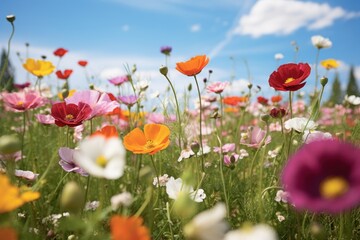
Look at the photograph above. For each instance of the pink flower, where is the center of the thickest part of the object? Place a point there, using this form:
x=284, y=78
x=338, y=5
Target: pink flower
x=255, y=138
x=228, y=160
x=67, y=161
x=45, y=119
x=117, y=81
x=217, y=87
x=23, y=101
x=100, y=103
x=26, y=174
x=229, y=147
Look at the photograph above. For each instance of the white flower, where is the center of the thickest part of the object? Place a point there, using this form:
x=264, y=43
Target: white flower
x=186, y=153
x=354, y=100
x=142, y=85
x=155, y=94
x=257, y=232
x=101, y=157
x=175, y=186
x=280, y=217
x=206, y=150
x=243, y=153
x=162, y=179
x=92, y=205
x=311, y=136
x=300, y=124
x=208, y=225
x=278, y=56
x=124, y=199
x=321, y=42
x=282, y=196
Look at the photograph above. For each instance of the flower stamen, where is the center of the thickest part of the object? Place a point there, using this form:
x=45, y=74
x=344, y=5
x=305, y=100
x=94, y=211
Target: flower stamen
x=333, y=187
x=101, y=161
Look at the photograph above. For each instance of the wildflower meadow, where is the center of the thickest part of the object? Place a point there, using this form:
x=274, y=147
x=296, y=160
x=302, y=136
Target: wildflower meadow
x=194, y=163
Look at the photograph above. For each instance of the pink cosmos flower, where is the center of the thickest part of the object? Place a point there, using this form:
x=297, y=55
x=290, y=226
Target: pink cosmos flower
x=255, y=137
x=100, y=103
x=128, y=100
x=45, y=119
x=117, y=81
x=228, y=147
x=23, y=101
x=67, y=161
x=217, y=87
x=29, y=175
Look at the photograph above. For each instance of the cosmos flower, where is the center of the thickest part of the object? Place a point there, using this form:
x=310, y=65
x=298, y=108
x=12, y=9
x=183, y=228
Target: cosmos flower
x=122, y=199
x=154, y=138
x=311, y=136
x=255, y=138
x=64, y=75
x=129, y=100
x=23, y=101
x=67, y=161
x=193, y=66
x=217, y=87
x=353, y=100
x=39, y=68
x=290, y=76
x=22, y=85
x=300, y=124
x=276, y=99
x=101, y=157
x=107, y=132
x=319, y=42
x=208, y=225
x=262, y=100
x=235, y=100
x=174, y=187
x=117, y=81
x=71, y=115
x=60, y=52
x=324, y=176
x=128, y=228
x=278, y=56
x=12, y=197
x=329, y=64
x=257, y=232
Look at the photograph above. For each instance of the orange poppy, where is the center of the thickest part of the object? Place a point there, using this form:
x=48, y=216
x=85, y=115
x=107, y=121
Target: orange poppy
x=193, y=66
x=128, y=228
x=154, y=138
x=276, y=98
x=8, y=233
x=235, y=100
x=107, y=132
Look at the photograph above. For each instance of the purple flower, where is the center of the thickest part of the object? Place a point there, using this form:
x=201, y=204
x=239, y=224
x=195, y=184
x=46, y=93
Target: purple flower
x=324, y=176
x=67, y=161
x=117, y=81
x=128, y=100
x=166, y=50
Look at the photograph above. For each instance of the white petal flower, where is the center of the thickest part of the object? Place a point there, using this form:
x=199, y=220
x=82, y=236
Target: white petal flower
x=175, y=186
x=354, y=100
x=300, y=124
x=208, y=225
x=321, y=42
x=257, y=232
x=101, y=157
x=278, y=56
x=124, y=199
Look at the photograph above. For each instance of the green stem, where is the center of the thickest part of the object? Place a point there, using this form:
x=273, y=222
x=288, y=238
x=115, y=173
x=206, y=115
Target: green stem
x=290, y=104
x=316, y=70
x=8, y=52
x=86, y=190
x=23, y=135
x=200, y=125
x=177, y=110
x=221, y=163
x=222, y=114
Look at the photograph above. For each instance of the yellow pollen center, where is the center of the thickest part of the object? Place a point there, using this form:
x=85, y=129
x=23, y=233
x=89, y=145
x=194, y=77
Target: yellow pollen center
x=69, y=117
x=101, y=161
x=20, y=103
x=289, y=80
x=149, y=144
x=333, y=187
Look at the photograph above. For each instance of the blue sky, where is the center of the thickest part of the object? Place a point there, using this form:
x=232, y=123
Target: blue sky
x=111, y=33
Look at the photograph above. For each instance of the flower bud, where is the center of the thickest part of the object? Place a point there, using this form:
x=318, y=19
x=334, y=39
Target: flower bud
x=9, y=144
x=189, y=87
x=265, y=117
x=277, y=112
x=64, y=93
x=324, y=81
x=164, y=70
x=10, y=18
x=250, y=85
x=91, y=86
x=195, y=147
x=72, y=198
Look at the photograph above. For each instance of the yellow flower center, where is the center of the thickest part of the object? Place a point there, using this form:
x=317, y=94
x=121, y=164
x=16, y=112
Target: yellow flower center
x=69, y=117
x=101, y=161
x=289, y=80
x=149, y=144
x=333, y=187
x=20, y=103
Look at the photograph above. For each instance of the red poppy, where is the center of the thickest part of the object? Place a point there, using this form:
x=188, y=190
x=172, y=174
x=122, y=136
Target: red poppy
x=60, y=52
x=82, y=63
x=71, y=115
x=290, y=76
x=262, y=100
x=64, y=74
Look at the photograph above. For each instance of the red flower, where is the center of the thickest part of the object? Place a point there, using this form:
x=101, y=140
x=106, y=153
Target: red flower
x=64, y=74
x=290, y=76
x=60, y=52
x=276, y=98
x=262, y=100
x=82, y=63
x=71, y=115
x=277, y=112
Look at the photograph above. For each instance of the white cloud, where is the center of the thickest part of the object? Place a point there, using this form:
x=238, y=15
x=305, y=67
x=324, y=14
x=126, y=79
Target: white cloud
x=282, y=17
x=195, y=28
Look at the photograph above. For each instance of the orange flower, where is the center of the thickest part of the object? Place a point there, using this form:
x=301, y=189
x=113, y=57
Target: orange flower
x=193, y=66
x=276, y=99
x=107, y=132
x=8, y=234
x=128, y=228
x=154, y=138
x=235, y=100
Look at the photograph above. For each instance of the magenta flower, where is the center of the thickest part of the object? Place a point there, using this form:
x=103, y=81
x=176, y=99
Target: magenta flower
x=117, y=81
x=100, y=103
x=21, y=86
x=23, y=101
x=324, y=176
x=67, y=161
x=255, y=137
x=217, y=87
x=128, y=100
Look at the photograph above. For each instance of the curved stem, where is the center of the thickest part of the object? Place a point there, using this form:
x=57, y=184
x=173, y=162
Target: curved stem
x=8, y=52
x=200, y=124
